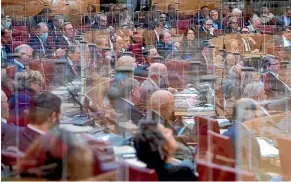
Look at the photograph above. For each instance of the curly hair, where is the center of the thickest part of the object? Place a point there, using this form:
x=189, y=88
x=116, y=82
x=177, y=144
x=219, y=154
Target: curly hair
x=23, y=80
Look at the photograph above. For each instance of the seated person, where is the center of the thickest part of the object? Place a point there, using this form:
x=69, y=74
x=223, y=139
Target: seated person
x=189, y=41
x=270, y=77
x=67, y=38
x=206, y=31
x=247, y=43
x=165, y=45
x=244, y=142
x=233, y=26
x=160, y=110
x=43, y=113
x=21, y=62
x=124, y=98
x=65, y=70
x=27, y=85
x=55, y=27
x=156, y=146
x=39, y=42
x=255, y=24
x=155, y=81
x=100, y=22
x=6, y=128
x=47, y=154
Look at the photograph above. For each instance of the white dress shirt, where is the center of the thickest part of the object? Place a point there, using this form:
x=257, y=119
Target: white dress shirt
x=3, y=120
x=36, y=130
x=286, y=42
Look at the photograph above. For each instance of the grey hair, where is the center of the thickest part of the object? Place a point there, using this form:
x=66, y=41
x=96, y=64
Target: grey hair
x=22, y=48
x=253, y=90
x=58, y=16
x=264, y=10
x=213, y=11
x=155, y=69
x=255, y=19
x=236, y=10
x=40, y=25
x=71, y=49
x=23, y=80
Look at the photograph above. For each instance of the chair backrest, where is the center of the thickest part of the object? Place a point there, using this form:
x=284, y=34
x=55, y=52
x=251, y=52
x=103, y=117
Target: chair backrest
x=221, y=149
x=19, y=30
x=284, y=145
x=134, y=173
x=213, y=172
x=202, y=125
x=48, y=70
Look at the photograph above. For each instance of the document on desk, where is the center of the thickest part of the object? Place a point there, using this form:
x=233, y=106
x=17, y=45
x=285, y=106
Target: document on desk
x=223, y=122
x=76, y=129
x=267, y=150
x=122, y=150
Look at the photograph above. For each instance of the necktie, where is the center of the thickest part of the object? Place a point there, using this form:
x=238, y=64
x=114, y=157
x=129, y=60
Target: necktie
x=74, y=69
x=248, y=45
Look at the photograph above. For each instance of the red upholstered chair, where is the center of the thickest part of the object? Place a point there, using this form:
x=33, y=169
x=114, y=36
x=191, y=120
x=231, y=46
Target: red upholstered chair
x=182, y=25
x=221, y=149
x=19, y=31
x=202, y=125
x=284, y=144
x=16, y=43
x=134, y=173
x=48, y=70
x=213, y=172
x=177, y=72
x=11, y=71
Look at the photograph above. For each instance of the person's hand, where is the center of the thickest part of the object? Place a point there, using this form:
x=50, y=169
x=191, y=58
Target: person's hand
x=59, y=52
x=211, y=30
x=177, y=45
x=255, y=51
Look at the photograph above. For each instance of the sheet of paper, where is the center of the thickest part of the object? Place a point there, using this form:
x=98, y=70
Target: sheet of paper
x=267, y=150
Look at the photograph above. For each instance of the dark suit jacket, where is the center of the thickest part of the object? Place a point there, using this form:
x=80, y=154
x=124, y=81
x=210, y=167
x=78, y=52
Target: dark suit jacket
x=54, y=32
x=61, y=42
x=272, y=84
x=26, y=137
x=63, y=72
x=6, y=129
x=205, y=34
x=35, y=43
x=176, y=173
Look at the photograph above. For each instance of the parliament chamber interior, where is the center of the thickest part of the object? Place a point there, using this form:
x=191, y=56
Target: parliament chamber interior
x=146, y=90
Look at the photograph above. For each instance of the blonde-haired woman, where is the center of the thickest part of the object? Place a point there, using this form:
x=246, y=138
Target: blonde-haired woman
x=27, y=85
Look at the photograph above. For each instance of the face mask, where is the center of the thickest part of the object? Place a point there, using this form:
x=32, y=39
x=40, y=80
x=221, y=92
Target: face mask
x=8, y=24
x=44, y=36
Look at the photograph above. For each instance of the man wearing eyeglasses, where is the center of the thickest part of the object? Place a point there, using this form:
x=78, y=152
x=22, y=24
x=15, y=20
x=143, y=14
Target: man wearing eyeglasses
x=68, y=37
x=25, y=56
x=207, y=30
x=233, y=26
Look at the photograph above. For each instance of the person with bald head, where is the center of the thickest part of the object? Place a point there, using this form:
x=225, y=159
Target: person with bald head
x=160, y=111
x=156, y=76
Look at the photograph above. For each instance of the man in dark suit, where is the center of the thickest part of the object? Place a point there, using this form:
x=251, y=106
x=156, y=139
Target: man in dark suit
x=66, y=67
x=55, y=27
x=283, y=40
x=157, y=72
x=124, y=98
x=272, y=83
x=6, y=38
x=165, y=45
x=67, y=37
x=5, y=127
x=233, y=26
x=40, y=44
x=161, y=109
x=43, y=114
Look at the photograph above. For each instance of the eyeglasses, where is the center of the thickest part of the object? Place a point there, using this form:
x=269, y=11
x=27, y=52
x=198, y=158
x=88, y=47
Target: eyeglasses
x=70, y=29
x=234, y=22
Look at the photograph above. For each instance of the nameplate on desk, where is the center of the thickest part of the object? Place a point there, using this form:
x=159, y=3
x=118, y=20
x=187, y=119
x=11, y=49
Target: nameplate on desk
x=76, y=129
x=267, y=150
